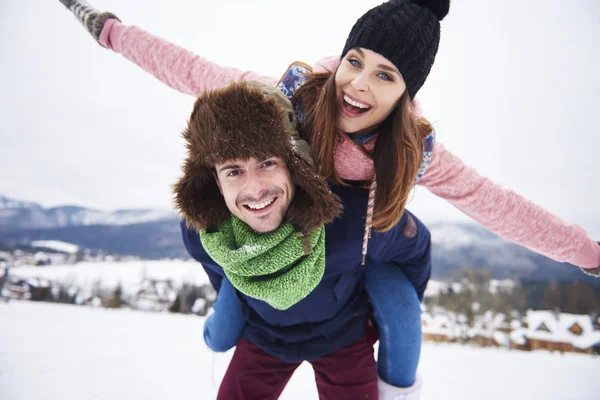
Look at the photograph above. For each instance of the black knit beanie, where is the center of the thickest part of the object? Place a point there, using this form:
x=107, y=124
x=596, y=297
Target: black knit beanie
x=406, y=32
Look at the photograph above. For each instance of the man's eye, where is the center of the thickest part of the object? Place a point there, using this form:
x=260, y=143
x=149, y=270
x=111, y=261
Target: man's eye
x=234, y=172
x=269, y=163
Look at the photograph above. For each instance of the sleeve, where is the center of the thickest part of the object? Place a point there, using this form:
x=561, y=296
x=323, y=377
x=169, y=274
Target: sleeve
x=224, y=328
x=191, y=240
x=176, y=67
x=327, y=64
x=506, y=213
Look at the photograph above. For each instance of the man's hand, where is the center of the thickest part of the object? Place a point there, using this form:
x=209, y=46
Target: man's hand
x=92, y=19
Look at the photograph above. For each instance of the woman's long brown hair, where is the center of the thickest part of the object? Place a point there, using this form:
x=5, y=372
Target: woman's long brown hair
x=397, y=154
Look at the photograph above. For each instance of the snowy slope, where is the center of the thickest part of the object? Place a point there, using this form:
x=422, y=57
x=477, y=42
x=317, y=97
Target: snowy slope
x=110, y=274
x=457, y=245
x=451, y=236
x=18, y=215
x=68, y=352
x=55, y=245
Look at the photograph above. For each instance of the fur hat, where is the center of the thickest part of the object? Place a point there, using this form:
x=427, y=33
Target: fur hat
x=243, y=120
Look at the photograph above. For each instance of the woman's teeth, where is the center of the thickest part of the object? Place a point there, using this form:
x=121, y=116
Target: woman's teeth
x=355, y=103
x=260, y=206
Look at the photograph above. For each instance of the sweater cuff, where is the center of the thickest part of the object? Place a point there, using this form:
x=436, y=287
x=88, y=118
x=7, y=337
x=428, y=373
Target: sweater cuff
x=105, y=35
x=589, y=255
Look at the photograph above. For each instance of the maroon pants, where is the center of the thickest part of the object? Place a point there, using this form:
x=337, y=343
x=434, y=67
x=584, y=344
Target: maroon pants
x=349, y=373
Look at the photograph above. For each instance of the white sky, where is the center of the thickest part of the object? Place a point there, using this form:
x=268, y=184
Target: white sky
x=514, y=92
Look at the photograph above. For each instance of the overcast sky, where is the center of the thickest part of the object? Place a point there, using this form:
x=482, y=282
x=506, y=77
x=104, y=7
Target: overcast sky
x=515, y=92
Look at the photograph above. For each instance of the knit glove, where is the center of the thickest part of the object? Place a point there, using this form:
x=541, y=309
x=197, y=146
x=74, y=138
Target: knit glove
x=595, y=272
x=92, y=19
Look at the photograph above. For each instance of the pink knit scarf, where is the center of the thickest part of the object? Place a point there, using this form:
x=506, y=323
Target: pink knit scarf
x=350, y=161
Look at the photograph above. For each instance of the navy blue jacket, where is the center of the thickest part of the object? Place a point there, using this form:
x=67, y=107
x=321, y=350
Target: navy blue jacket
x=334, y=314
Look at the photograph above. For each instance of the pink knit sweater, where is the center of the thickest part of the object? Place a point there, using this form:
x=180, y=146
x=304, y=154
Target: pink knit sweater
x=500, y=210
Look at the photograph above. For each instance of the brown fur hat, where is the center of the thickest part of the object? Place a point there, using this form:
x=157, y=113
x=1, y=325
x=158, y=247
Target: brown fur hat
x=243, y=120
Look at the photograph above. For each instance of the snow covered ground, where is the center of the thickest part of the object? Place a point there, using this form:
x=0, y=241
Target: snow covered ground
x=110, y=273
x=66, y=352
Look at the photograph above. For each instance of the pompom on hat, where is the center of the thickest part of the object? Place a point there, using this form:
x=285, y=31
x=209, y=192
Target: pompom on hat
x=406, y=32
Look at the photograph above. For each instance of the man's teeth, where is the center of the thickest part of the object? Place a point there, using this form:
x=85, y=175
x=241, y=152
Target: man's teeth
x=260, y=206
x=354, y=103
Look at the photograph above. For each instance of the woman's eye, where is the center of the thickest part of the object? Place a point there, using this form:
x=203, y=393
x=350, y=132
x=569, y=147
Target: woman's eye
x=386, y=77
x=354, y=62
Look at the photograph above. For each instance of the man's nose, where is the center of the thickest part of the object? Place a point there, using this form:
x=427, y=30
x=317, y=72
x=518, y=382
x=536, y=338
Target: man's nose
x=255, y=185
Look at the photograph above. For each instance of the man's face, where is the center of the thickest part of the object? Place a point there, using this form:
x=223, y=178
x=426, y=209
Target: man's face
x=258, y=192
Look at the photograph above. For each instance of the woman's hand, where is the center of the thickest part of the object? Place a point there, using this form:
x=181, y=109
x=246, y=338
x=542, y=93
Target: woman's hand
x=92, y=19
x=595, y=272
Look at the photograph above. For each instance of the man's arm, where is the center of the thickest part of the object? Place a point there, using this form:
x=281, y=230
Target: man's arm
x=175, y=66
x=191, y=240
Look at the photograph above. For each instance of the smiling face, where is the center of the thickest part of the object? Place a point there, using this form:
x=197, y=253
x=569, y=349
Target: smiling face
x=258, y=192
x=368, y=87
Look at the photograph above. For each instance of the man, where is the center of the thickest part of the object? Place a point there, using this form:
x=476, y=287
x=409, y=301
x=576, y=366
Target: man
x=250, y=189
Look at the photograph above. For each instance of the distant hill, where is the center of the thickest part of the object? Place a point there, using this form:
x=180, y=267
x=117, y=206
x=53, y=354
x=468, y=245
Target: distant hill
x=468, y=244
x=20, y=215
x=154, y=234
x=153, y=240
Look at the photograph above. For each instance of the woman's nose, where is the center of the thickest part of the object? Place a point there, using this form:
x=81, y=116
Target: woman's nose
x=360, y=82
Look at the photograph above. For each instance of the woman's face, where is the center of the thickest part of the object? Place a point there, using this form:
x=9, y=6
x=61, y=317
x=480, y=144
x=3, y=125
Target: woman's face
x=368, y=87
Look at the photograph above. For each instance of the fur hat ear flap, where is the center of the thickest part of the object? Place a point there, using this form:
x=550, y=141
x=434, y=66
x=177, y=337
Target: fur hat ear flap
x=198, y=198
x=313, y=203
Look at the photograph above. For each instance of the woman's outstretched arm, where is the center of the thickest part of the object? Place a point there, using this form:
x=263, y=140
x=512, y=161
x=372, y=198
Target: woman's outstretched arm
x=508, y=214
x=175, y=66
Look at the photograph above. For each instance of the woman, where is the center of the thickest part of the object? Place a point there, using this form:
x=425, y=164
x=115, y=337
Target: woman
x=362, y=123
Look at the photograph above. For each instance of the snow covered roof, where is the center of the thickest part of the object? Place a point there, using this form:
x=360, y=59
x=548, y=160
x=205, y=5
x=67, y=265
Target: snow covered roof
x=441, y=325
x=501, y=338
x=56, y=245
x=518, y=336
x=552, y=327
x=515, y=324
x=487, y=324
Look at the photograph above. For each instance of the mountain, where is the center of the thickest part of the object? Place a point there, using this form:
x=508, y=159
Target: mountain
x=156, y=234
x=153, y=240
x=18, y=215
x=457, y=245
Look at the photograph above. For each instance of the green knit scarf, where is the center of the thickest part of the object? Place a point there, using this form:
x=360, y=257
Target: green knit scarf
x=272, y=266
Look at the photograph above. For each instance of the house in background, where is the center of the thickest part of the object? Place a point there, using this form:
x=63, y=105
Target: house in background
x=442, y=327
x=557, y=331
x=489, y=330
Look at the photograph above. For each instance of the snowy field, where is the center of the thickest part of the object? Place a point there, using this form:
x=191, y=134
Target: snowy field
x=50, y=351
x=111, y=273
